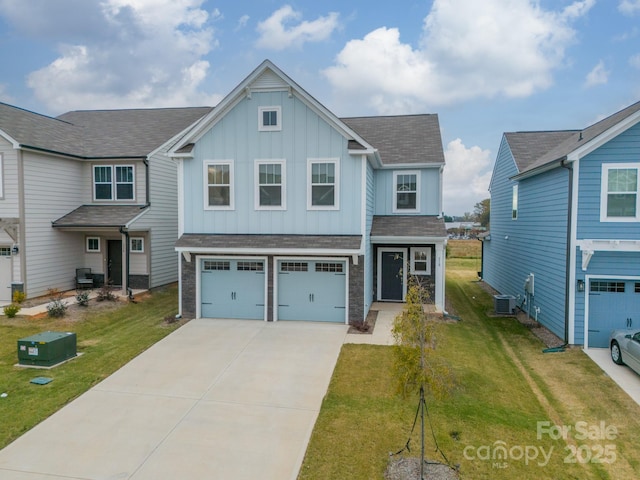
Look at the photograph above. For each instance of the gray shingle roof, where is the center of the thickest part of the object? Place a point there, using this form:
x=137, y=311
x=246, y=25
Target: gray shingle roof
x=402, y=139
x=408, y=226
x=311, y=242
x=547, y=147
x=528, y=147
x=40, y=131
x=98, y=133
x=131, y=133
x=99, y=216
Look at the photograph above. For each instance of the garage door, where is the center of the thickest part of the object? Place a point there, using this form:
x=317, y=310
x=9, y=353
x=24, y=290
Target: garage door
x=613, y=304
x=312, y=290
x=5, y=274
x=232, y=288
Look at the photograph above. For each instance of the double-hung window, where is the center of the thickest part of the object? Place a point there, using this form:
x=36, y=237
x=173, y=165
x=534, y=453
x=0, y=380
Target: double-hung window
x=113, y=182
x=619, y=194
x=270, y=185
x=406, y=191
x=219, y=185
x=93, y=244
x=322, y=188
x=421, y=261
x=136, y=244
x=269, y=119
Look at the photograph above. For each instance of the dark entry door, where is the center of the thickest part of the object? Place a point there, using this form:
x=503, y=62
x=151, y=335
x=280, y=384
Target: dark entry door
x=392, y=274
x=114, y=262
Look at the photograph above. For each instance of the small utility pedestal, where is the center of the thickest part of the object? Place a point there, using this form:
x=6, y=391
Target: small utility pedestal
x=46, y=349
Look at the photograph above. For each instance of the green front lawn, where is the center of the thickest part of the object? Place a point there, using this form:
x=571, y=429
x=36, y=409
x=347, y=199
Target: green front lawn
x=107, y=340
x=505, y=392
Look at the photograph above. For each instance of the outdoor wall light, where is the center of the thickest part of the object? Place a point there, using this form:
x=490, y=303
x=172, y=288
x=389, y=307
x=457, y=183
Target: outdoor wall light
x=14, y=249
x=581, y=285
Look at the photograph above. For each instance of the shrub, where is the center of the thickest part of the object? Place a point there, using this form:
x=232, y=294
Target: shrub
x=57, y=308
x=106, y=293
x=82, y=298
x=19, y=296
x=11, y=310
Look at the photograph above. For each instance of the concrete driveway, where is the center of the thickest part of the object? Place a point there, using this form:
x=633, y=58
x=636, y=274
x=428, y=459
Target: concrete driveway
x=626, y=378
x=223, y=399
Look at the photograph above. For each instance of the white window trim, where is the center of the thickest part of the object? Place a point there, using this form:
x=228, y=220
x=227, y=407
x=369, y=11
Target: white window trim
x=336, y=191
x=270, y=128
x=283, y=184
x=206, y=166
x=114, y=184
x=604, y=191
x=395, y=191
x=86, y=245
x=427, y=250
x=1, y=176
x=131, y=249
x=514, y=201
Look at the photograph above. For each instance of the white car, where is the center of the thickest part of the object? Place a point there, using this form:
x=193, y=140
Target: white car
x=625, y=348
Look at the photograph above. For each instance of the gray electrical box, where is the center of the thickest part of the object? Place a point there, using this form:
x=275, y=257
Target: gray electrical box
x=47, y=348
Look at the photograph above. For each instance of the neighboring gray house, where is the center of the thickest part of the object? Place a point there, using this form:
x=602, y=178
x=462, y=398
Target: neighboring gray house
x=88, y=189
x=288, y=212
x=565, y=214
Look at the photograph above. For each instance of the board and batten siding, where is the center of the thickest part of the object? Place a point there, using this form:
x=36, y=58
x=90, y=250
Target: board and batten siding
x=535, y=242
x=161, y=221
x=50, y=191
x=305, y=135
x=429, y=200
x=368, y=247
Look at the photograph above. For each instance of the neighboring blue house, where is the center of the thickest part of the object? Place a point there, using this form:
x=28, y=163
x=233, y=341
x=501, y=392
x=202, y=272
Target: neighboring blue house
x=565, y=214
x=287, y=212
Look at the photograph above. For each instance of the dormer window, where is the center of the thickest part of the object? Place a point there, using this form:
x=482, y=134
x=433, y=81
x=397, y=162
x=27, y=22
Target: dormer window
x=269, y=119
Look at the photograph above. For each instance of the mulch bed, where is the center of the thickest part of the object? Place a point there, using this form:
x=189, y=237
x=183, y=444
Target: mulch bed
x=368, y=325
x=408, y=468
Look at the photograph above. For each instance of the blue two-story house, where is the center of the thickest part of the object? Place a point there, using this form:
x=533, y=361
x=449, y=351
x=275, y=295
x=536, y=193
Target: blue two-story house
x=565, y=221
x=287, y=212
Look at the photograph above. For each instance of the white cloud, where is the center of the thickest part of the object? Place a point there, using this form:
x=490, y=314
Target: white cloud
x=148, y=54
x=283, y=29
x=629, y=7
x=599, y=75
x=468, y=49
x=242, y=22
x=466, y=177
x=634, y=61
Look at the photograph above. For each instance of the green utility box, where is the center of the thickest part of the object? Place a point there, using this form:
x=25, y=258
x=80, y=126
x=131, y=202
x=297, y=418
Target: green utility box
x=47, y=348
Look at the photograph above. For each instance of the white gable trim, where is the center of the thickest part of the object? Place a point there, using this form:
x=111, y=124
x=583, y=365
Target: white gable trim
x=605, y=137
x=256, y=82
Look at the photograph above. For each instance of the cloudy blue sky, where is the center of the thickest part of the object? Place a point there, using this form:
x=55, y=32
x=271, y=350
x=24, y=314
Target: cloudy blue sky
x=485, y=67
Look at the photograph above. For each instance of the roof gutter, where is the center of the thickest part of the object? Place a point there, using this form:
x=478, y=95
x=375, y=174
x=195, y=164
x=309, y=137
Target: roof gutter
x=560, y=162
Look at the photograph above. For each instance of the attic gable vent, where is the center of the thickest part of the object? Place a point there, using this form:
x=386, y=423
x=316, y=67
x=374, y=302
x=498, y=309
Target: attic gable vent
x=269, y=81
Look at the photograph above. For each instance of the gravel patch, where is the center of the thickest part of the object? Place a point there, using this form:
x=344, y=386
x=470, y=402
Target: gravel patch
x=408, y=468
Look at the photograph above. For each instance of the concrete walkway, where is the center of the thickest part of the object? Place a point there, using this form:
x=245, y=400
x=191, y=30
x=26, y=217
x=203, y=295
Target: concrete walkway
x=227, y=399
